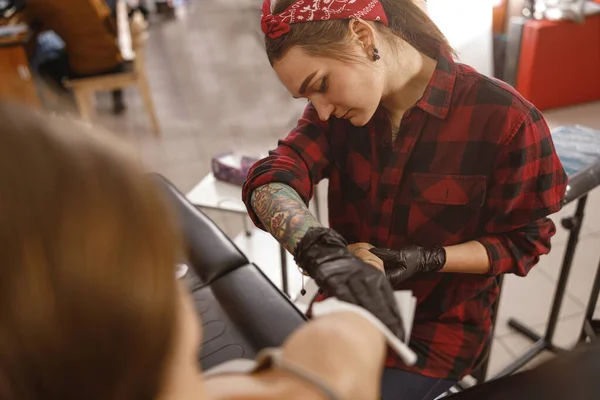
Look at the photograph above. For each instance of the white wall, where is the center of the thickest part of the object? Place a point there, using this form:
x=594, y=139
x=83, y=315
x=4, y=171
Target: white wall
x=468, y=26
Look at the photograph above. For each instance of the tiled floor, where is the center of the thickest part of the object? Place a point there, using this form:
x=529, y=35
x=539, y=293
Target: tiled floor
x=214, y=91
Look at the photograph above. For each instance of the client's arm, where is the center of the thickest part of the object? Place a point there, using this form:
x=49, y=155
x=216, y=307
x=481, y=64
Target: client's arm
x=343, y=349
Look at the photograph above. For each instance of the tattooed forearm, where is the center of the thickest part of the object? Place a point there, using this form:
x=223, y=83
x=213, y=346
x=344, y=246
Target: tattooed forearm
x=283, y=213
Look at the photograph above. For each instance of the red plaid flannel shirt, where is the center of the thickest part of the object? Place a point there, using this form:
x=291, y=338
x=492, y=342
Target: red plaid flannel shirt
x=473, y=161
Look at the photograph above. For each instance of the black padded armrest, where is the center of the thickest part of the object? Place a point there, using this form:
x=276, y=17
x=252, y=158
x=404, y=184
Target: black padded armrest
x=259, y=309
x=242, y=313
x=210, y=252
x=241, y=310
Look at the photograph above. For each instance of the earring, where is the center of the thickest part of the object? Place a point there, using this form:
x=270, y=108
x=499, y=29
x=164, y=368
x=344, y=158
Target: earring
x=375, y=53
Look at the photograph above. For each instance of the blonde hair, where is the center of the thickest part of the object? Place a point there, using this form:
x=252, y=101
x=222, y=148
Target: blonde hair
x=88, y=249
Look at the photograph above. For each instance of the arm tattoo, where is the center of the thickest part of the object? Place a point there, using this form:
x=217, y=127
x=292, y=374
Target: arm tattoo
x=283, y=213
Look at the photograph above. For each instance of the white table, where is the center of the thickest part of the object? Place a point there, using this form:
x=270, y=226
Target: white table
x=213, y=194
x=256, y=244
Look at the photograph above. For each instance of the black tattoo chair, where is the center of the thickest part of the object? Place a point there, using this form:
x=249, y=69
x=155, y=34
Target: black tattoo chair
x=242, y=311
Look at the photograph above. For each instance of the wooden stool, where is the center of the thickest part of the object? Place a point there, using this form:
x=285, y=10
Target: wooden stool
x=83, y=89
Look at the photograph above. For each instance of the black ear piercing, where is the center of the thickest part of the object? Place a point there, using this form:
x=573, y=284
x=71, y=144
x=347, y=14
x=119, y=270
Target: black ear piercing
x=375, y=53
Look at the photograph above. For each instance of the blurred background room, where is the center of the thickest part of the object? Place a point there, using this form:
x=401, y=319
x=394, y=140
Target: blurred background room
x=188, y=85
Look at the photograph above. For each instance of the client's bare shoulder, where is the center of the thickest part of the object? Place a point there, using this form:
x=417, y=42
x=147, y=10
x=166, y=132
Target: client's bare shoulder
x=343, y=351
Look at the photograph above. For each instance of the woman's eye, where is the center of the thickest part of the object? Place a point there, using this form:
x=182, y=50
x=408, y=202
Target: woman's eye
x=324, y=85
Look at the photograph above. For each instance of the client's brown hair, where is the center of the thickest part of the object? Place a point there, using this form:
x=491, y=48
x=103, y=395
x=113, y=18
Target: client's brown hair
x=87, y=254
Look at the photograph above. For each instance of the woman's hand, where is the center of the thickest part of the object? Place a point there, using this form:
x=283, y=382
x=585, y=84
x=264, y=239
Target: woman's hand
x=361, y=250
x=324, y=255
x=410, y=260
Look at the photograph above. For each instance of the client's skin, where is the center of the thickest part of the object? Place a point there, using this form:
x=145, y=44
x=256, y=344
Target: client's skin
x=90, y=305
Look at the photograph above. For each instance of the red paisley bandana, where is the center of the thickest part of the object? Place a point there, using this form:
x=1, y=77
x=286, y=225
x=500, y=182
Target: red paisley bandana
x=319, y=10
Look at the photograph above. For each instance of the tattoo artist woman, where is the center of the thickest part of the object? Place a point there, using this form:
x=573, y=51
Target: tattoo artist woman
x=450, y=175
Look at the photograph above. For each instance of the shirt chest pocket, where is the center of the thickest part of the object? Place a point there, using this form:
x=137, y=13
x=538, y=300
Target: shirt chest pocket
x=444, y=209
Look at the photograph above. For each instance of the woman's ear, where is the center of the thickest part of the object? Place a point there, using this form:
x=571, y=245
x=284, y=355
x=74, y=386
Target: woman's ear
x=364, y=33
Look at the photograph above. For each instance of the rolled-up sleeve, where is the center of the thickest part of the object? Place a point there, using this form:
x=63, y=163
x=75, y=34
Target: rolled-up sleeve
x=300, y=160
x=528, y=184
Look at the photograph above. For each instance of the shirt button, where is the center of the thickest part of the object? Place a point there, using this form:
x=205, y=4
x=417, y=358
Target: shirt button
x=386, y=143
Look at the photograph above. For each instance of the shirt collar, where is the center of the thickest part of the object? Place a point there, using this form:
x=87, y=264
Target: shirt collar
x=438, y=95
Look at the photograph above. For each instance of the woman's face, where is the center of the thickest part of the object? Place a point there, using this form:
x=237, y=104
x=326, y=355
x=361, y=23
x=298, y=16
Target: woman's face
x=342, y=89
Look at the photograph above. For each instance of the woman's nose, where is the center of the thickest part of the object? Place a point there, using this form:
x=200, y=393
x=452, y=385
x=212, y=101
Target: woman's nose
x=324, y=108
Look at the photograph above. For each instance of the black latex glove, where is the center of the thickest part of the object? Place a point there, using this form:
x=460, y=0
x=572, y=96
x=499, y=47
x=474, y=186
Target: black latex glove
x=410, y=260
x=323, y=254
